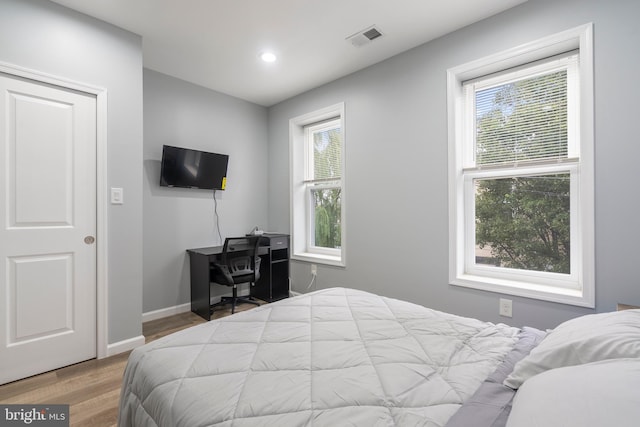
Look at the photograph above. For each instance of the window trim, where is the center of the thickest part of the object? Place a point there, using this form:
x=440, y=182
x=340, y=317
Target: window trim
x=299, y=195
x=579, y=38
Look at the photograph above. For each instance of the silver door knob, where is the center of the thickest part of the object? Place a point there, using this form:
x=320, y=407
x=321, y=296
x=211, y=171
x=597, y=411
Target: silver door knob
x=89, y=240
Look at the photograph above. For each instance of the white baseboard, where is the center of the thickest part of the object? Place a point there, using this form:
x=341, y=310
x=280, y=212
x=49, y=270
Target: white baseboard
x=294, y=293
x=131, y=343
x=165, y=312
x=126, y=345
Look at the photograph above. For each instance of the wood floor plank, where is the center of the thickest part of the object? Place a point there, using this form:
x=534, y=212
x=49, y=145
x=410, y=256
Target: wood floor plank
x=92, y=388
x=71, y=389
x=17, y=388
x=98, y=411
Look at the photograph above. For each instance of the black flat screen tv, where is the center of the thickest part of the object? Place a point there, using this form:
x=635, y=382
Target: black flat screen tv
x=187, y=168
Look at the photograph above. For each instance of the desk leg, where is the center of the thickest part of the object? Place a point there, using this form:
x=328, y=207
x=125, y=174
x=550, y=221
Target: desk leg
x=200, y=286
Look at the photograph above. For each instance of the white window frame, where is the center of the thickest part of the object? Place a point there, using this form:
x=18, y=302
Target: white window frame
x=302, y=220
x=578, y=287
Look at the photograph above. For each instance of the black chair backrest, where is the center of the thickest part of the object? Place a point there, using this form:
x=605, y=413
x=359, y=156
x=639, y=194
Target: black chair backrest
x=240, y=256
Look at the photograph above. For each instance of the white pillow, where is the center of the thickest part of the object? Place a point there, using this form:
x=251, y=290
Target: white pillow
x=582, y=340
x=597, y=394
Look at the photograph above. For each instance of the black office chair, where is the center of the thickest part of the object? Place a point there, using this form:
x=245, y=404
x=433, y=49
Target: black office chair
x=239, y=263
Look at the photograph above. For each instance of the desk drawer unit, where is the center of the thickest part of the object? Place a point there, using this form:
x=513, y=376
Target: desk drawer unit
x=274, y=269
x=277, y=242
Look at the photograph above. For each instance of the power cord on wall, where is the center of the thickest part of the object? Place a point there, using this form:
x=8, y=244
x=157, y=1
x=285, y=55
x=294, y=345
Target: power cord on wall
x=314, y=274
x=215, y=213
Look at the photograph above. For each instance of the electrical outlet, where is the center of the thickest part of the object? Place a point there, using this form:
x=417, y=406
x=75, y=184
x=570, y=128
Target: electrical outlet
x=506, y=307
x=314, y=269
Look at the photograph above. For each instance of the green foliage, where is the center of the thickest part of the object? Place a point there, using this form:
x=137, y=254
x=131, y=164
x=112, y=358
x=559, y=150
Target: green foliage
x=525, y=221
x=328, y=214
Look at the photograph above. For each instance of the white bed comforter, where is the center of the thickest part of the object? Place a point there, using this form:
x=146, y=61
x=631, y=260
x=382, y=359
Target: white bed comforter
x=336, y=357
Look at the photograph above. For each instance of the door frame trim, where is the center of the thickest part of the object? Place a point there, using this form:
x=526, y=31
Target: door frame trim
x=102, y=244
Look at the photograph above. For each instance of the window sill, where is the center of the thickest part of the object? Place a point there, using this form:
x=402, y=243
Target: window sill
x=318, y=258
x=527, y=290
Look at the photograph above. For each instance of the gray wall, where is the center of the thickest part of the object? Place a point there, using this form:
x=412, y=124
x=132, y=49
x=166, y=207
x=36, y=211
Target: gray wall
x=185, y=115
x=396, y=163
x=396, y=158
x=48, y=38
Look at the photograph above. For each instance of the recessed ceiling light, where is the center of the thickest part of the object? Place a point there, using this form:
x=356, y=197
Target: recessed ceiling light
x=268, y=56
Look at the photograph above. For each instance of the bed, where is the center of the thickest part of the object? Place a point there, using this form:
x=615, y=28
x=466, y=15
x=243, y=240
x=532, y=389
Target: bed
x=344, y=357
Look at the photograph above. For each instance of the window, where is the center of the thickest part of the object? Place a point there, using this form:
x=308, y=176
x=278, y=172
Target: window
x=317, y=186
x=521, y=171
x=323, y=175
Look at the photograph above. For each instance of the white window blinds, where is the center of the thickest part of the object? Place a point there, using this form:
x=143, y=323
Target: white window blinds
x=324, y=156
x=523, y=119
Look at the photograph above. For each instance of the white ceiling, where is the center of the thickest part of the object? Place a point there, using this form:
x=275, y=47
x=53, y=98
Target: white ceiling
x=216, y=43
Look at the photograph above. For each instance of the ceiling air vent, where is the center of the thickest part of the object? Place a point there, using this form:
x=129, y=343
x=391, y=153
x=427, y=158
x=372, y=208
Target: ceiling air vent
x=365, y=36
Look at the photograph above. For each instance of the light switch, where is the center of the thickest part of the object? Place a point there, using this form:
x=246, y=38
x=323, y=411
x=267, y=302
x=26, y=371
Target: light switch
x=117, y=197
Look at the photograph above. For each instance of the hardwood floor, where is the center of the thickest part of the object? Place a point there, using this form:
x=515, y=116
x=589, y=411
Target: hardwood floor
x=92, y=388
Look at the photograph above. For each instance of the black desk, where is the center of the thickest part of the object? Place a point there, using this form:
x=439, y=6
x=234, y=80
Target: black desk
x=274, y=272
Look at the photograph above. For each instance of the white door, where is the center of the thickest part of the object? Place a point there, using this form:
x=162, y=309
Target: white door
x=47, y=227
